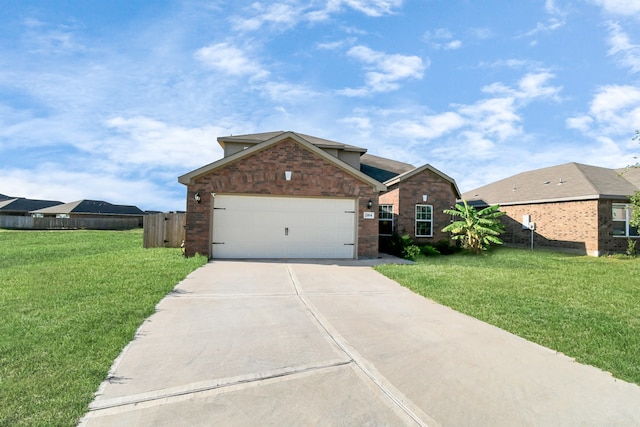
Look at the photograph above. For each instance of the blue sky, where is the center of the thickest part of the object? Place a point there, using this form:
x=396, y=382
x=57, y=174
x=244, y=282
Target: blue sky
x=113, y=100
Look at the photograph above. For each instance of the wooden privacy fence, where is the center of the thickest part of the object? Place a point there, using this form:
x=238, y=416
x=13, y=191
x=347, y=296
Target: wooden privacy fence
x=31, y=223
x=164, y=230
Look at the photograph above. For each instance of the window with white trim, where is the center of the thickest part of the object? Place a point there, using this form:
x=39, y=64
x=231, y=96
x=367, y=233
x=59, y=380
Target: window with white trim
x=424, y=220
x=621, y=214
x=385, y=215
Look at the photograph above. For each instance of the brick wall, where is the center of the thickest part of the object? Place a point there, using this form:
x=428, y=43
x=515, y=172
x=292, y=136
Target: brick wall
x=570, y=226
x=607, y=242
x=440, y=194
x=405, y=195
x=263, y=173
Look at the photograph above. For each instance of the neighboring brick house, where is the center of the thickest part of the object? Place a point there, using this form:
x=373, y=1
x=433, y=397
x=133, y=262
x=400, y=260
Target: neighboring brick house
x=416, y=198
x=575, y=207
x=285, y=195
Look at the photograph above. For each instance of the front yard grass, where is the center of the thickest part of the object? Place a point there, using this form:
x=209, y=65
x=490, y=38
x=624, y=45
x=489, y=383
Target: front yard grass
x=587, y=308
x=70, y=301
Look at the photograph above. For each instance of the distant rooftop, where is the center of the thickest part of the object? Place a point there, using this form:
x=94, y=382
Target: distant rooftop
x=570, y=181
x=91, y=207
x=22, y=205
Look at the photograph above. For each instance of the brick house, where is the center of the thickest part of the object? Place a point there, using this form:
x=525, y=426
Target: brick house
x=575, y=207
x=289, y=195
x=416, y=199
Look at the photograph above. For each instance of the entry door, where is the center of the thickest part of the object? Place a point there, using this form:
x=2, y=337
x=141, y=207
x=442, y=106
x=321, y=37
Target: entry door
x=283, y=227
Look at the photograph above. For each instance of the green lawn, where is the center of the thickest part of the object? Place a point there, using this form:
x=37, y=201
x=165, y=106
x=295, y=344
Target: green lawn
x=587, y=308
x=69, y=302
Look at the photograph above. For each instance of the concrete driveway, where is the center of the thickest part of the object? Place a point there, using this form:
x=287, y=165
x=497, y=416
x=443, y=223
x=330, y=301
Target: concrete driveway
x=298, y=343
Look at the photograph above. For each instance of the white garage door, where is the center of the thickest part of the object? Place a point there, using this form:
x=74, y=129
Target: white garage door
x=283, y=227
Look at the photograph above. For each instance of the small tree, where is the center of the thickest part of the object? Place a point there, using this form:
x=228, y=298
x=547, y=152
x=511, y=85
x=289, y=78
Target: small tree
x=477, y=230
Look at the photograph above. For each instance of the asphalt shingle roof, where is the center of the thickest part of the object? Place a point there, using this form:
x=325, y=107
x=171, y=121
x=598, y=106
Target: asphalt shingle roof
x=256, y=138
x=92, y=207
x=20, y=204
x=382, y=169
x=570, y=181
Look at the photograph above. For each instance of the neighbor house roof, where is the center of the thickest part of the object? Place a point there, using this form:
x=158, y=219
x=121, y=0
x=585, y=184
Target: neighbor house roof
x=406, y=175
x=570, y=181
x=188, y=178
x=256, y=138
x=382, y=169
x=91, y=207
x=22, y=205
x=3, y=197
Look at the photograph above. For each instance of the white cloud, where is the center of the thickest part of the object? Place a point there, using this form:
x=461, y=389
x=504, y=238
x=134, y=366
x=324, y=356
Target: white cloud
x=151, y=144
x=531, y=86
x=510, y=63
x=288, y=92
x=46, y=39
x=442, y=38
x=614, y=112
x=385, y=70
x=279, y=15
x=534, y=85
x=336, y=44
x=581, y=123
x=372, y=8
x=551, y=25
x=53, y=181
x=619, y=7
x=362, y=124
x=430, y=127
x=494, y=117
x=555, y=21
x=627, y=53
x=230, y=60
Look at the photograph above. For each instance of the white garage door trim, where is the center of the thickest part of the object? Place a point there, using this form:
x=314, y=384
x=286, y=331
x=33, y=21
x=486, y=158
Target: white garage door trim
x=249, y=226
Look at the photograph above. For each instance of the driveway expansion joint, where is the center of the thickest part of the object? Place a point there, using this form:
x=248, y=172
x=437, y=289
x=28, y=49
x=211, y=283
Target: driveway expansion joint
x=200, y=387
x=363, y=365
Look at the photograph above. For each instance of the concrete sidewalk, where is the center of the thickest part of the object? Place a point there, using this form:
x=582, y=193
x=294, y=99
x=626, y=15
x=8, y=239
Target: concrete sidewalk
x=277, y=343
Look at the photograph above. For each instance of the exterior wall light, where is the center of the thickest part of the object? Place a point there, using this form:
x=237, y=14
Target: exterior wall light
x=424, y=197
x=369, y=204
x=197, y=198
x=287, y=175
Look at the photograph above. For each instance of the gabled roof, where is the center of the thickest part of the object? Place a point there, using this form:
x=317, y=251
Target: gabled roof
x=20, y=204
x=382, y=169
x=188, y=178
x=407, y=175
x=91, y=207
x=257, y=138
x=570, y=181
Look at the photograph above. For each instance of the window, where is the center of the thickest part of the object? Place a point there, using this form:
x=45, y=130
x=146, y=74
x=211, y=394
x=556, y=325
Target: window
x=385, y=215
x=621, y=214
x=424, y=220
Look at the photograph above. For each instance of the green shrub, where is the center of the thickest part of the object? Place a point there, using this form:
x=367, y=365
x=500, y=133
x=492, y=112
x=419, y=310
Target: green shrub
x=446, y=248
x=631, y=248
x=411, y=252
x=428, y=250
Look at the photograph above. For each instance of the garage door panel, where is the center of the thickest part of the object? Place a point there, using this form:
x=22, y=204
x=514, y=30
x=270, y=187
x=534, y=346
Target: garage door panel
x=283, y=227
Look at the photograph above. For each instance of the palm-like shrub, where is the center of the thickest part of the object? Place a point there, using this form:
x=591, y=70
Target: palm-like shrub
x=476, y=229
